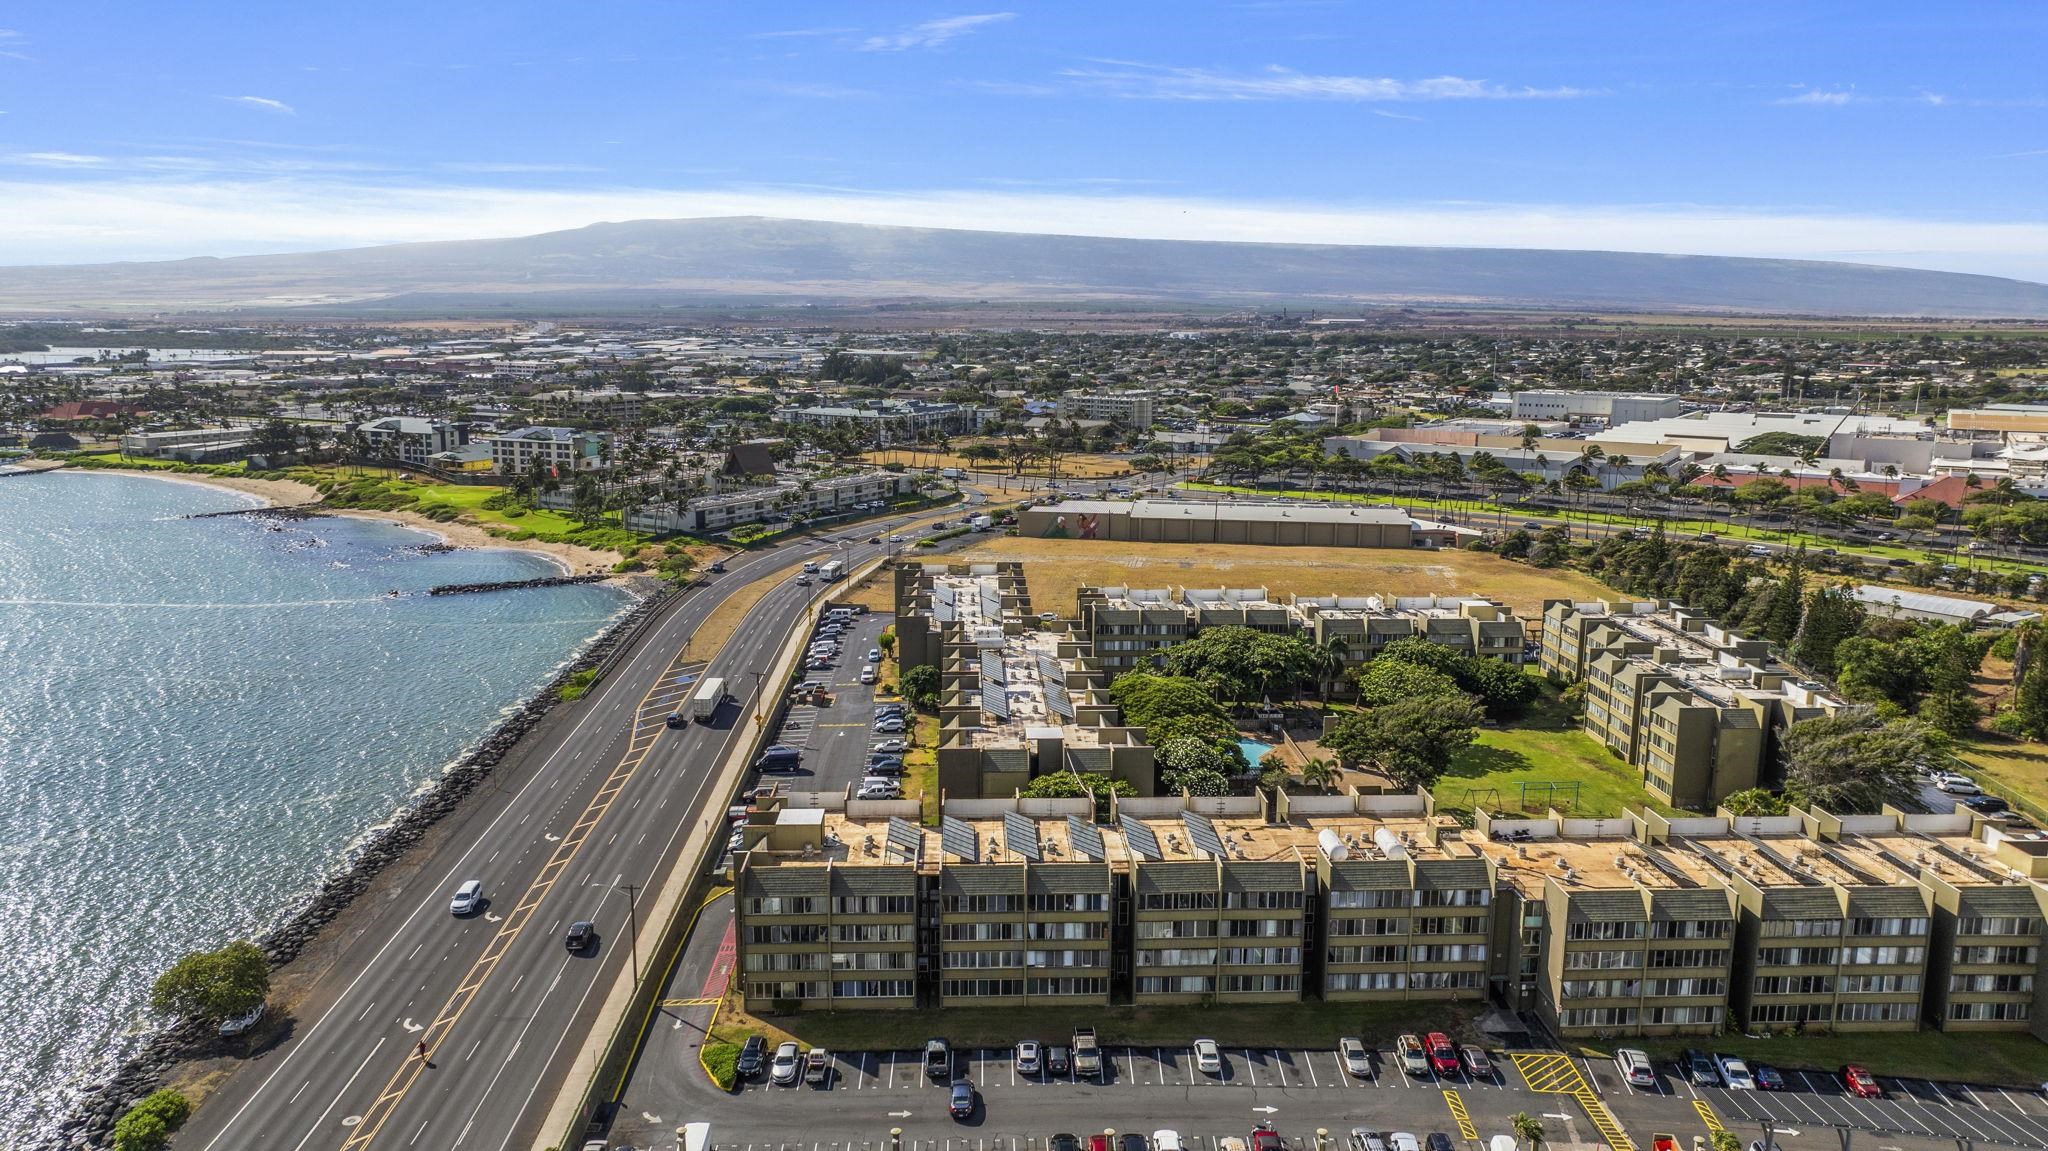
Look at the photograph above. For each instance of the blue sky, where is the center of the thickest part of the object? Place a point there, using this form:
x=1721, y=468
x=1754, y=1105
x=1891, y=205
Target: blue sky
x=1907, y=133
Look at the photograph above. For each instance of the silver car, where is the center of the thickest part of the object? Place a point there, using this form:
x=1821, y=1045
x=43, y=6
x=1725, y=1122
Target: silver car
x=787, y=1067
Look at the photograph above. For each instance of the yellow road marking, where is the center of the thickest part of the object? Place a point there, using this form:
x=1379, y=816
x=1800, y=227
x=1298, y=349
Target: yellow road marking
x=1555, y=1073
x=1458, y=1112
x=451, y=1012
x=687, y=1002
x=1707, y=1115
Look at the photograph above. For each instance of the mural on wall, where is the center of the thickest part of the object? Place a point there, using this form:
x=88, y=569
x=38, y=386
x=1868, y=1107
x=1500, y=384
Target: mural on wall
x=1086, y=525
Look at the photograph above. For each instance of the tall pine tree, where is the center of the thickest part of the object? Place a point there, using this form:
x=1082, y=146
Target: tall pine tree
x=1787, y=601
x=1832, y=615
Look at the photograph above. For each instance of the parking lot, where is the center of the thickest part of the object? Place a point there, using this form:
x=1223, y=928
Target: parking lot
x=1917, y=1107
x=835, y=738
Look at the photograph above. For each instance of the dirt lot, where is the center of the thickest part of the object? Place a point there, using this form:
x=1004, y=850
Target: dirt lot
x=1057, y=567
x=1080, y=465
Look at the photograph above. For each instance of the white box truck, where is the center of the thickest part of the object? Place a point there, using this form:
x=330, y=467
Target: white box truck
x=705, y=704
x=981, y=523
x=832, y=571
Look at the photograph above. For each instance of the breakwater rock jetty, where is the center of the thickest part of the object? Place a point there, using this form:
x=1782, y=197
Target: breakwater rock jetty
x=510, y=585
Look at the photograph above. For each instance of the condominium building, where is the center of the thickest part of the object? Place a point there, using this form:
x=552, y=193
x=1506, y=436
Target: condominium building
x=1017, y=700
x=1637, y=925
x=559, y=451
x=1690, y=703
x=1131, y=409
x=1130, y=628
x=888, y=419
x=792, y=495
x=596, y=405
x=411, y=439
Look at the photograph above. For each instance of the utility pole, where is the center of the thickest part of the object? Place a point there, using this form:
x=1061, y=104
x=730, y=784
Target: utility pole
x=632, y=892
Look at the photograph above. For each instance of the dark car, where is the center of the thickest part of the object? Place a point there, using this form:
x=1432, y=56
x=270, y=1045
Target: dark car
x=1056, y=1062
x=1438, y=1141
x=582, y=934
x=675, y=719
x=1132, y=1141
x=1767, y=1077
x=874, y=539
x=1063, y=1142
x=717, y=565
x=961, y=1105
x=1985, y=803
x=753, y=1056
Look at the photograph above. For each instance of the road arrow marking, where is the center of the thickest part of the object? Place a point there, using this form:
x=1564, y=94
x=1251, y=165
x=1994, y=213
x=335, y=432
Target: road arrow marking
x=650, y=1118
x=411, y=1026
x=1267, y=1110
x=552, y=838
x=899, y=1114
x=489, y=918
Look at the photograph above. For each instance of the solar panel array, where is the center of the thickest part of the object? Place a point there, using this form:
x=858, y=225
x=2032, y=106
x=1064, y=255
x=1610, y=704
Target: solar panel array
x=1085, y=837
x=1057, y=700
x=1020, y=835
x=1202, y=834
x=957, y=837
x=905, y=837
x=942, y=604
x=991, y=600
x=1143, y=843
x=992, y=667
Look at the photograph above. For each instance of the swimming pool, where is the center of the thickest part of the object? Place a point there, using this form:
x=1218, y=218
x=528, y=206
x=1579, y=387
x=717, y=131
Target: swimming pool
x=1253, y=750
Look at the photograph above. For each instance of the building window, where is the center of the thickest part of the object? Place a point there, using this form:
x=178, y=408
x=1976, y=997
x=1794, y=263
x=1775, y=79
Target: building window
x=970, y=960
x=1673, y=1016
x=1177, y=901
x=980, y=932
x=1991, y=983
x=1789, y=1013
x=1443, y=980
x=1360, y=900
x=1795, y=985
x=1450, y=925
x=785, y=961
x=872, y=932
x=1368, y=955
x=1260, y=956
x=1605, y=931
x=1878, y=984
x=1096, y=930
x=1602, y=960
x=1449, y=953
x=1801, y=928
x=1066, y=958
x=1990, y=1012
x=1678, y=988
x=1176, y=957
x=1998, y=925
x=1255, y=984
x=1070, y=985
x=1457, y=897
x=793, y=933
x=1176, y=928
x=980, y=988
x=1069, y=903
x=1797, y=957
x=1893, y=926
x=871, y=989
x=765, y=990
x=1175, y=984
x=2023, y=956
x=1600, y=989
x=1261, y=928
x=1876, y=956
x=873, y=904
x=983, y=904
x=785, y=905
x=1367, y=981
x=1262, y=900
x=1693, y=929
x=1368, y=927
x=1598, y=1017
x=1876, y=1012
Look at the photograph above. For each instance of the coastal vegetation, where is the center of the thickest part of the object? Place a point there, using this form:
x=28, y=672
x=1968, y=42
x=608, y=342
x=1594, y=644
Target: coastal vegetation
x=212, y=985
x=577, y=684
x=148, y=1125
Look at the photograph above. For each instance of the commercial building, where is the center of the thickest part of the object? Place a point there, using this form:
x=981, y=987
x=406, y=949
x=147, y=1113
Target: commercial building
x=1613, y=407
x=1016, y=700
x=411, y=439
x=2011, y=423
x=1232, y=522
x=597, y=405
x=1715, y=433
x=1692, y=704
x=1899, y=604
x=1130, y=409
x=1635, y=925
x=789, y=495
x=887, y=419
x=192, y=444
x=1129, y=628
x=560, y=451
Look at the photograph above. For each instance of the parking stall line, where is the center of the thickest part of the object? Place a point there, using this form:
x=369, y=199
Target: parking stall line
x=1996, y=1120
x=1308, y=1060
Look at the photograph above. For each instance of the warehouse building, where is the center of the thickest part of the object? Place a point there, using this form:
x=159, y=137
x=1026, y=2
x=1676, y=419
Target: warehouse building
x=1269, y=524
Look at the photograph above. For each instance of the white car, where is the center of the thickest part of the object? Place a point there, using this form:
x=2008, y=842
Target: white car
x=1404, y=1141
x=243, y=1022
x=878, y=791
x=867, y=674
x=1957, y=784
x=1357, y=1060
x=467, y=897
x=1735, y=1073
x=1029, y=1061
x=891, y=746
x=874, y=655
x=1208, y=1057
x=889, y=726
x=787, y=1067
x=1166, y=1141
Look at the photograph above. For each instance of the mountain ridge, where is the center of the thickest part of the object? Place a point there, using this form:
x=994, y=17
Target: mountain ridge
x=700, y=258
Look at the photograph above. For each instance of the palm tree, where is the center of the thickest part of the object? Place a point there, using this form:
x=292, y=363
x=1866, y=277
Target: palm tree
x=1528, y=1129
x=1319, y=772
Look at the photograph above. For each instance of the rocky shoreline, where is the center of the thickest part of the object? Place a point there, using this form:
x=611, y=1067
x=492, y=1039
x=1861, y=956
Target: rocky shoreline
x=91, y=1124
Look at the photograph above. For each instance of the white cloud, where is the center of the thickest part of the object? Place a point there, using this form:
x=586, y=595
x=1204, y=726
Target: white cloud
x=1819, y=98
x=263, y=102
x=54, y=160
x=10, y=41
x=1166, y=82
x=80, y=220
x=933, y=33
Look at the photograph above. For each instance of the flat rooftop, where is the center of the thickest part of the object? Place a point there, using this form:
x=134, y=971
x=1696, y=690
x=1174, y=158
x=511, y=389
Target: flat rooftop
x=1613, y=864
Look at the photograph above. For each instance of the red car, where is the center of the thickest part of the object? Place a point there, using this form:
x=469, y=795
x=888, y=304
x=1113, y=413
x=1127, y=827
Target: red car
x=1267, y=1139
x=1443, y=1058
x=1861, y=1083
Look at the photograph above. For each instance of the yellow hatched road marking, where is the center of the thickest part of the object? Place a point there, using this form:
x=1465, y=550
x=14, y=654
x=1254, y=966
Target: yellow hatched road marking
x=687, y=1002
x=436, y=1033
x=1548, y=1071
x=1458, y=1112
x=1707, y=1115
x=1604, y=1121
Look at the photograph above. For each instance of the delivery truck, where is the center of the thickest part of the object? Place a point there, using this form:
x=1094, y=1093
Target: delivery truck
x=709, y=698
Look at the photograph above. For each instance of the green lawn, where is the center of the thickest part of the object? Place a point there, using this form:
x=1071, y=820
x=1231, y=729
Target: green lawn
x=1546, y=746
x=1290, y=1025
x=2013, y=769
x=2006, y=1058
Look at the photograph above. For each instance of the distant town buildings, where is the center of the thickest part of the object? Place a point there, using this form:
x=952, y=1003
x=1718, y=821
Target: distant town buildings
x=1611, y=407
x=1130, y=409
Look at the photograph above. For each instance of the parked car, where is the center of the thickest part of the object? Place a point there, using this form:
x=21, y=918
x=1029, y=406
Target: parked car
x=1861, y=1083
x=1030, y=1059
x=236, y=1025
x=1208, y=1057
x=582, y=934
x=889, y=725
x=1986, y=804
x=1635, y=1067
x=885, y=765
x=1132, y=1141
x=874, y=655
x=878, y=791
x=890, y=747
x=1438, y=1141
x=867, y=674
x=1443, y=1057
x=1266, y=1139
x=1166, y=1141
x=818, y=1068
x=1063, y=1142
x=787, y=1065
x=1699, y=1067
x=1364, y=1140
x=717, y=567
x=1409, y=1053
x=752, y=1056
x=1735, y=1073
x=1404, y=1141
x=1477, y=1065
x=1057, y=1061
x=1357, y=1060
x=1767, y=1077
x=1957, y=784
x=961, y=1105
x=938, y=1060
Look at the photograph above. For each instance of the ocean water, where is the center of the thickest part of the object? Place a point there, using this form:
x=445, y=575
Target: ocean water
x=198, y=717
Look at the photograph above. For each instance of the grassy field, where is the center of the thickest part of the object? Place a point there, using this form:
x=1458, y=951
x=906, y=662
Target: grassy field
x=2007, y=1059
x=1079, y=466
x=1546, y=746
x=1057, y=567
x=2013, y=769
x=1289, y=1025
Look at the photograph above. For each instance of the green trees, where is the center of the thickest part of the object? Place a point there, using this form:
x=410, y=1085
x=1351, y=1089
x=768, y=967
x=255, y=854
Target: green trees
x=1169, y=707
x=1528, y=1129
x=1782, y=608
x=1504, y=688
x=1925, y=670
x=1192, y=765
x=1067, y=785
x=1854, y=763
x=214, y=984
x=1832, y=615
x=1411, y=741
x=148, y=1125
x=1756, y=801
x=921, y=686
x=1384, y=681
x=2030, y=702
x=1243, y=664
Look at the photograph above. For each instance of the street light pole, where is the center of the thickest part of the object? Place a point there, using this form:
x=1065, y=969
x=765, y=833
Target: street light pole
x=632, y=892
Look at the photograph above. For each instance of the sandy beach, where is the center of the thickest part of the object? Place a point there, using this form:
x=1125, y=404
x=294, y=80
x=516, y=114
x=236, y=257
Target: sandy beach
x=574, y=560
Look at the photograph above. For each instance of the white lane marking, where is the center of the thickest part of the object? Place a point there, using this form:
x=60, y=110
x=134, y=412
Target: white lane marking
x=485, y=1095
x=337, y=1098
x=366, y=1011
x=299, y=1092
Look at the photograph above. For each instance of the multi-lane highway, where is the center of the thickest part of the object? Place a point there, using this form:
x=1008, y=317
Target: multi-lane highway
x=587, y=814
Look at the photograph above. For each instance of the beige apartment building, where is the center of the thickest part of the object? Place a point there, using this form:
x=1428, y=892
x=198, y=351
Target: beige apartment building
x=1637, y=925
x=1690, y=703
x=1131, y=628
